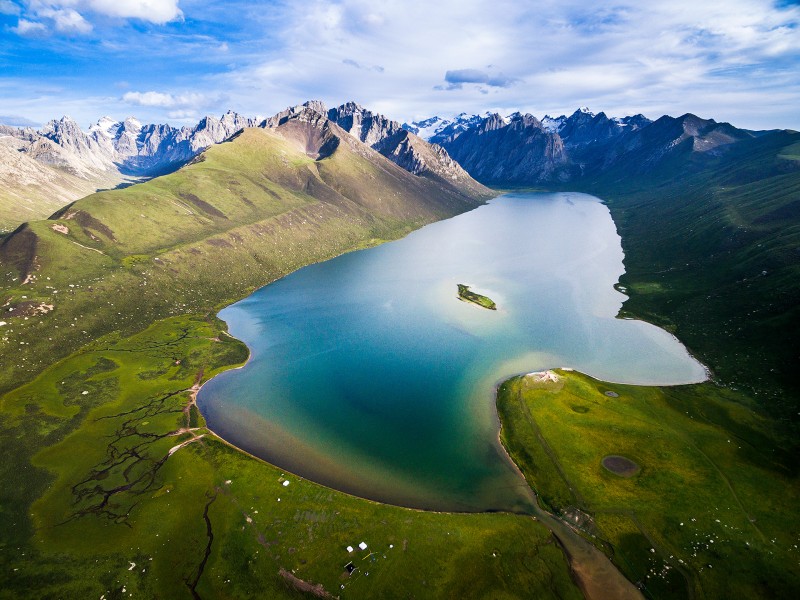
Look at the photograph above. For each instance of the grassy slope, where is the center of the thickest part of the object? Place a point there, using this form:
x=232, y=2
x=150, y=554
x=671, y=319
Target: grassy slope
x=100, y=507
x=95, y=489
x=252, y=211
x=711, y=512
x=712, y=254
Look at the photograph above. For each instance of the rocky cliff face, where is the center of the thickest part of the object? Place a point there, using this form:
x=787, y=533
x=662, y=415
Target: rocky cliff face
x=367, y=126
x=431, y=160
x=126, y=147
x=515, y=150
x=390, y=139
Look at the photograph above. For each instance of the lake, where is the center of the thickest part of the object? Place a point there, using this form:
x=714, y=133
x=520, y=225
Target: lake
x=369, y=375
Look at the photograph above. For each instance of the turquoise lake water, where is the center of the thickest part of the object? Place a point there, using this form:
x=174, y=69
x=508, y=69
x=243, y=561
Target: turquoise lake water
x=368, y=374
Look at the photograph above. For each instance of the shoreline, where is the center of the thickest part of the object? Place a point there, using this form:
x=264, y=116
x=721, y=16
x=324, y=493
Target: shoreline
x=589, y=567
x=593, y=582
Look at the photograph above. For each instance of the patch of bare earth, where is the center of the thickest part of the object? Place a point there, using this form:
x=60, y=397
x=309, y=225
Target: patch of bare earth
x=304, y=586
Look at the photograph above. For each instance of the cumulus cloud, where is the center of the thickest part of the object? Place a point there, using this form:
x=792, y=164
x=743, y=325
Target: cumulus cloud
x=67, y=16
x=154, y=11
x=66, y=20
x=166, y=100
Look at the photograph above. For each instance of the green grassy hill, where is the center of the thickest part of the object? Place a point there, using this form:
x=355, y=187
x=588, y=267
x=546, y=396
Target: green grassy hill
x=708, y=511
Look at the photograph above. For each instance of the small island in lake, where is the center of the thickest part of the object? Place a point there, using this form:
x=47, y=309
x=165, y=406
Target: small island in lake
x=467, y=296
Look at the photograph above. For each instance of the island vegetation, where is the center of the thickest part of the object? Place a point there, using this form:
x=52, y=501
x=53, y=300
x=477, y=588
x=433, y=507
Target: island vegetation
x=465, y=294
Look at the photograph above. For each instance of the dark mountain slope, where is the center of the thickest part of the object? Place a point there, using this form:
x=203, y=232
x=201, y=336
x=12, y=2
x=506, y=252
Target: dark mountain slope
x=520, y=152
x=711, y=233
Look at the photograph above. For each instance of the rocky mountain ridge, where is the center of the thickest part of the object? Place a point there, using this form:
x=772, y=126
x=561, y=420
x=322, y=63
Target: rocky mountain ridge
x=127, y=147
x=43, y=170
x=63, y=162
x=40, y=171
x=520, y=149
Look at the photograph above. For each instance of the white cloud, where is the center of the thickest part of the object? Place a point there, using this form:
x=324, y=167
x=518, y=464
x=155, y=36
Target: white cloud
x=734, y=61
x=155, y=11
x=663, y=55
x=183, y=115
x=66, y=20
x=25, y=27
x=8, y=8
x=165, y=100
x=66, y=17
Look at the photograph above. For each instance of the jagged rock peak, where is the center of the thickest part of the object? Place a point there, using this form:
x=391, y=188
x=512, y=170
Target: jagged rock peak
x=105, y=126
x=317, y=106
x=57, y=128
x=314, y=106
x=492, y=122
x=367, y=126
x=518, y=119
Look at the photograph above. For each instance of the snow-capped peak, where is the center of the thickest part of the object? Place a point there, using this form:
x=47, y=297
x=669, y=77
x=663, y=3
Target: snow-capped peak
x=427, y=127
x=132, y=124
x=434, y=128
x=553, y=125
x=106, y=126
x=585, y=109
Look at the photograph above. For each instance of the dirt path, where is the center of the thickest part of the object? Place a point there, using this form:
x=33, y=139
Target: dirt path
x=593, y=571
x=304, y=586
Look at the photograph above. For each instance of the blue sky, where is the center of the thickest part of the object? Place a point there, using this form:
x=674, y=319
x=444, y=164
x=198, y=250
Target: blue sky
x=177, y=60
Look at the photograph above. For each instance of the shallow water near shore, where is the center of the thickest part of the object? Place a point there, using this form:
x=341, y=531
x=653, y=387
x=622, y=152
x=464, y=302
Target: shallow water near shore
x=368, y=374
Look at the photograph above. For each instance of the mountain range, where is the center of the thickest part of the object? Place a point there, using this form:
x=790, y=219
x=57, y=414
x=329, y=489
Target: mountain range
x=571, y=148
x=109, y=328
x=43, y=170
